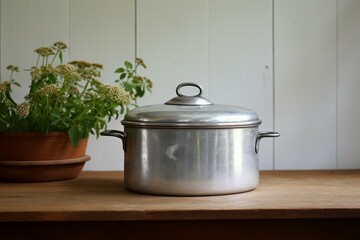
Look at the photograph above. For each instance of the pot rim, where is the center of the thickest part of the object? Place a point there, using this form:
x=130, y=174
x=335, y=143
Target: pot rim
x=85, y=158
x=32, y=134
x=248, y=124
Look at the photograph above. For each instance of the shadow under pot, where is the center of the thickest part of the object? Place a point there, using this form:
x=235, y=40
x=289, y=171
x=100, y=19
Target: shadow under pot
x=191, y=147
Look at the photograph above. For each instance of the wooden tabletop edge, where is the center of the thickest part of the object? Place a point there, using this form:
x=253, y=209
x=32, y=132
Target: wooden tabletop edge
x=243, y=214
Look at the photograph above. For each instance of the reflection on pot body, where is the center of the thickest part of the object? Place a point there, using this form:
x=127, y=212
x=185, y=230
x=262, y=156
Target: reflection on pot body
x=191, y=161
x=170, y=152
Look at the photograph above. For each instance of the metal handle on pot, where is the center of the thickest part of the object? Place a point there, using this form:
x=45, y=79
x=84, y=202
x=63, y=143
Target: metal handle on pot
x=115, y=133
x=262, y=135
x=188, y=84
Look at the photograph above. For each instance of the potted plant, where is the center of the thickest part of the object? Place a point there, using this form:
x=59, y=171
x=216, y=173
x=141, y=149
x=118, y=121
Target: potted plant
x=44, y=138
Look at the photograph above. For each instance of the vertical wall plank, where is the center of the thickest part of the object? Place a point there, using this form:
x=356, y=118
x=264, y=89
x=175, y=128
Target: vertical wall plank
x=305, y=83
x=349, y=83
x=103, y=31
x=172, y=38
x=241, y=60
x=25, y=26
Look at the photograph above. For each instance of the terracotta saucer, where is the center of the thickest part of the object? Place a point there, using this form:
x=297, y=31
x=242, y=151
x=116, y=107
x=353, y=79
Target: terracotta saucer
x=41, y=171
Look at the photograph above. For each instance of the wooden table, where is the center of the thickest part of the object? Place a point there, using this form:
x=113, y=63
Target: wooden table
x=286, y=205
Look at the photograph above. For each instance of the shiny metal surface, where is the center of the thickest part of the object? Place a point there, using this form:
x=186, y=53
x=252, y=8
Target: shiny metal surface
x=191, y=147
x=191, y=161
x=178, y=116
x=191, y=111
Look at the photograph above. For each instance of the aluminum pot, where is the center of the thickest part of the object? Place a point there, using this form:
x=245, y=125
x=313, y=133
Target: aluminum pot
x=190, y=147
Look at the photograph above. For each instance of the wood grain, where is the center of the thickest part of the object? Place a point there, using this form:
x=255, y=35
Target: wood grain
x=101, y=196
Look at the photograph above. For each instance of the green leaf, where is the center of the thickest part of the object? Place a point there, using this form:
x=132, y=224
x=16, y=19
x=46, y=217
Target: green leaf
x=140, y=92
x=74, y=135
x=60, y=56
x=8, y=96
x=128, y=87
x=128, y=64
x=119, y=70
x=122, y=76
x=17, y=84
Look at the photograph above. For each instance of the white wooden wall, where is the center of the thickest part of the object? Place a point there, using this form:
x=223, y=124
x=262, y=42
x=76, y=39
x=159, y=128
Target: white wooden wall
x=305, y=60
x=295, y=62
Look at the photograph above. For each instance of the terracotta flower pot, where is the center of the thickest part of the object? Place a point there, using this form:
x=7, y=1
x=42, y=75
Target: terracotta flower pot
x=33, y=157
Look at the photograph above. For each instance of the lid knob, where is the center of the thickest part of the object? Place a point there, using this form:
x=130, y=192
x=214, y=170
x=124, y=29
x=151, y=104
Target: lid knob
x=182, y=99
x=188, y=84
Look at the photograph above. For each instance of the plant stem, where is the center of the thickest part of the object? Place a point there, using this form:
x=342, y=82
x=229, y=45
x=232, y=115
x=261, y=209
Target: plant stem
x=62, y=91
x=37, y=61
x=11, y=74
x=57, y=52
x=85, y=88
x=2, y=120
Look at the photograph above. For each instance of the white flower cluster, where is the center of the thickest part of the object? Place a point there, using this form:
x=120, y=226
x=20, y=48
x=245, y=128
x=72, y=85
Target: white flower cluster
x=22, y=110
x=13, y=68
x=4, y=86
x=60, y=45
x=69, y=71
x=118, y=94
x=48, y=90
x=44, y=51
x=37, y=73
x=87, y=70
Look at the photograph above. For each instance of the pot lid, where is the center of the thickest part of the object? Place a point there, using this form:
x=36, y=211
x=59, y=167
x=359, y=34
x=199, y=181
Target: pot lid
x=191, y=111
